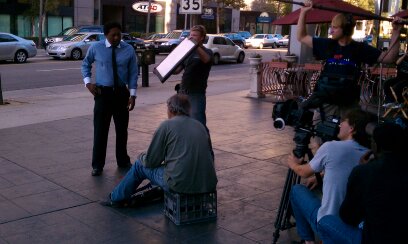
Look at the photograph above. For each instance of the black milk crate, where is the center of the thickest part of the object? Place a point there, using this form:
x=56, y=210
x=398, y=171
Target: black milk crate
x=190, y=208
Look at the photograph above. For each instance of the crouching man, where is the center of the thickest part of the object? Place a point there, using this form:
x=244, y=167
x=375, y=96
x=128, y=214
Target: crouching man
x=336, y=159
x=178, y=159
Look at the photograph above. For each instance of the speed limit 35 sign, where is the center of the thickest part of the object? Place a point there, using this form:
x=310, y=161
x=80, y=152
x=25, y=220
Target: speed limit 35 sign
x=191, y=6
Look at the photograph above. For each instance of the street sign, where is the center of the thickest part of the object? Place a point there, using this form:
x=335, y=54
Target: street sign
x=191, y=6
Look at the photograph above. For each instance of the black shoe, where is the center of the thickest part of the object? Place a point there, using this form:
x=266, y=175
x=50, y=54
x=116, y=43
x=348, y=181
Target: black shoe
x=125, y=166
x=113, y=204
x=96, y=172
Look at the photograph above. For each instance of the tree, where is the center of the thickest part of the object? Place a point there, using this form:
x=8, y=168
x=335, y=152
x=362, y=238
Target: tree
x=236, y=4
x=271, y=6
x=40, y=8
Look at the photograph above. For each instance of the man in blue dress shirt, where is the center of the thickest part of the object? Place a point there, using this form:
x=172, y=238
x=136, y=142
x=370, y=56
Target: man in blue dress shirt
x=114, y=93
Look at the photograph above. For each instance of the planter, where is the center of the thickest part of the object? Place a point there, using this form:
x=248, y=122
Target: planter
x=255, y=61
x=290, y=58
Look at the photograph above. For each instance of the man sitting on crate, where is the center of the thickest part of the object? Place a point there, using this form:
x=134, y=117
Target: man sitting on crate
x=178, y=159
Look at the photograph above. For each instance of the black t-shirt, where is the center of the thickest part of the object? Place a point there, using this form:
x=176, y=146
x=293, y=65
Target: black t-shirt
x=377, y=193
x=196, y=73
x=344, y=60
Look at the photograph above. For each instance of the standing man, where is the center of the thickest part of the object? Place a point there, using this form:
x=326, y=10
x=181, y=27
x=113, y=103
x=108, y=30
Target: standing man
x=196, y=71
x=337, y=89
x=114, y=93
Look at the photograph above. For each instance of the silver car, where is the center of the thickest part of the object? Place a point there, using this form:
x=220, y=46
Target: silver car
x=15, y=48
x=224, y=49
x=75, y=46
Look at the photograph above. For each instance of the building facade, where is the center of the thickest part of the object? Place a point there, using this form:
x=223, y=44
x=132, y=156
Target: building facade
x=20, y=17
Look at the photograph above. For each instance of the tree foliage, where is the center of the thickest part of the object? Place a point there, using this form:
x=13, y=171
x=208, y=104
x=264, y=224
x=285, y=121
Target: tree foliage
x=271, y=6
x=38, y=11
x=235, y=4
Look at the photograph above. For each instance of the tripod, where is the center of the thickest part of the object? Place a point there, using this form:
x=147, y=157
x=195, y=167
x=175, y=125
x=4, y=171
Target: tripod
x=282, y=221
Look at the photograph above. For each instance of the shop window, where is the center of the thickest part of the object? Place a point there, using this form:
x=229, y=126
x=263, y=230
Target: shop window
x=54, y=25
x=4, y=23
x=23, y=26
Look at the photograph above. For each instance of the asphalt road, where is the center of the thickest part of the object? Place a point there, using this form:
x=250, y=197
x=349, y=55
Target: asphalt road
x=43, y=71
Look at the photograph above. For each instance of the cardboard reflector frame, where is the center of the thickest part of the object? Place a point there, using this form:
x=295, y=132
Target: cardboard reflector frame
x=166, y=68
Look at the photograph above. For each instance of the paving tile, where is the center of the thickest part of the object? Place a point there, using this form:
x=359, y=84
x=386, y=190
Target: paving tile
x=4, y=184
x=264, y=235
x=266, y=183
x=50, y=201
x=236, y=192
x=103, y=218
x=240, y=218
x=28, y=189
x=74, y=232
x=22, y=177
x=220, y=235
x=10, y=211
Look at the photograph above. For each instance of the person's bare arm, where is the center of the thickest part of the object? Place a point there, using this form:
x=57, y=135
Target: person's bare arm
x=302, y=35
x=303, y=170
x=204, y=56
x=391, y=55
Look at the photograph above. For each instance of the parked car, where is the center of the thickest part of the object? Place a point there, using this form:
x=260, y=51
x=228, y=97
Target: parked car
x=284, y=42
x=224, y=49
x=244, y=34
x=172, y=39
x=263, y=40
x=15, y=48
x=149, y=41
x=75, y=46
x=236, y=38
x=70, y=31
x=136, y=43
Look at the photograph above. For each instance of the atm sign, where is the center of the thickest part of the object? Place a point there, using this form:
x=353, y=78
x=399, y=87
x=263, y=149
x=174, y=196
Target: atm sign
x=144, y=7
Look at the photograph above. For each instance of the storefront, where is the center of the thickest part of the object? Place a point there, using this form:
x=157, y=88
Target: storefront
x=132, y=14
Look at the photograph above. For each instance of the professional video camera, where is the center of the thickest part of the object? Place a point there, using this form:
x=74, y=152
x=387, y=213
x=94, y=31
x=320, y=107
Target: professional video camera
x=289, y=113
x=301, y=118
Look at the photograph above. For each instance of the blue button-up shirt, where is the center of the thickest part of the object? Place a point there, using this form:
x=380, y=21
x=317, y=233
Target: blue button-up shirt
x=100, y=53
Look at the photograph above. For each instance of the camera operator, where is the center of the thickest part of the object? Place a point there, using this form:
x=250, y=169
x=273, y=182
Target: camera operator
x=336, y=159
x=377, y=193
x=337, y=89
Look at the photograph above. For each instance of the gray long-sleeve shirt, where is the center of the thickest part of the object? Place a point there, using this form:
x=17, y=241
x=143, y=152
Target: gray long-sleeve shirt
x=182, y=145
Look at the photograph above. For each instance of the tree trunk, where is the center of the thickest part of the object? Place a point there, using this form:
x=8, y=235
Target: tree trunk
x=40, y=16
x=218, y=19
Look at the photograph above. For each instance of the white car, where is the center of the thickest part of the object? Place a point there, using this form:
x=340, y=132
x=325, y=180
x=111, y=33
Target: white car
x=284, y=42
x=224, y=49
x=15, y=48
x=263, y=40
x=75, y=46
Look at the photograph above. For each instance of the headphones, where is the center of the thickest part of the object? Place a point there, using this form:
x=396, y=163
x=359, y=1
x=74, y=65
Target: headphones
x=348, y=25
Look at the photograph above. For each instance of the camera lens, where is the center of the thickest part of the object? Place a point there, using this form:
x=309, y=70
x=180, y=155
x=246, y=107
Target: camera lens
x=279, y=124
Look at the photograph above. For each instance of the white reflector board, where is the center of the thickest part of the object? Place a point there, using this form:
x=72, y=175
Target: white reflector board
x=174, y=59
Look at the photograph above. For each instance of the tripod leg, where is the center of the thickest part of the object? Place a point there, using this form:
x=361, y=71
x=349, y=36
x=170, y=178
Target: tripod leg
x=283, y=214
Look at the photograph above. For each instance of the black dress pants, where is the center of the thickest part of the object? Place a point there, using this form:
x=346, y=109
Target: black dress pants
x=110, y=103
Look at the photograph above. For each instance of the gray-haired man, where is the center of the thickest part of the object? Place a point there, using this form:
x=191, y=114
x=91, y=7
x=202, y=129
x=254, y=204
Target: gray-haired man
x=178, y=158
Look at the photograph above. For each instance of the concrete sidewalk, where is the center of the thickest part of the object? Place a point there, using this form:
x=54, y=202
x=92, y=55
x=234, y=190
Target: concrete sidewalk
x=47, y=194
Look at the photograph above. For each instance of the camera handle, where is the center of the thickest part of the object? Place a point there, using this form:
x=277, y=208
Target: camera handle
x=282, y=221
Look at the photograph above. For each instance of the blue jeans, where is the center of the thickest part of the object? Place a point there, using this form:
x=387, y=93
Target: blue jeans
x=198, y=105
x=333, y=230
x=134, y=177
x=305, y=205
